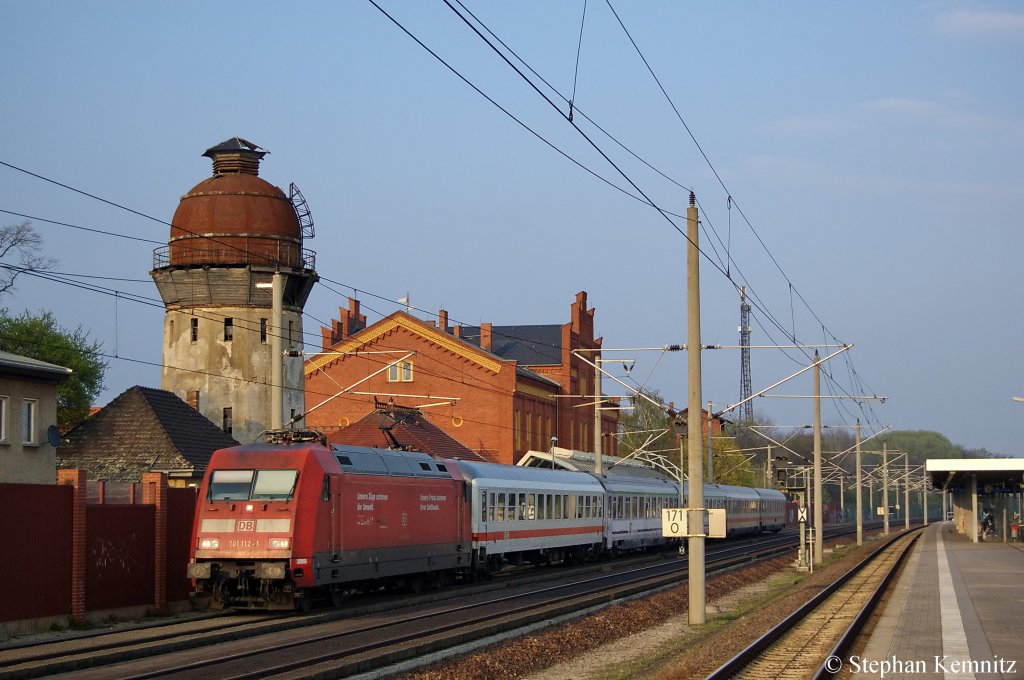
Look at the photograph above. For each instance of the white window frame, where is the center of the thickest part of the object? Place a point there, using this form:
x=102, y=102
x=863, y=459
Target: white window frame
x=4, y=415
x=400, y=371
x=29, y=418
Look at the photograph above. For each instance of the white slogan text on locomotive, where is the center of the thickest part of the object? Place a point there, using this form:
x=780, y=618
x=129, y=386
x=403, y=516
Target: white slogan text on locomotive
x=430, y=501
x=366, y=500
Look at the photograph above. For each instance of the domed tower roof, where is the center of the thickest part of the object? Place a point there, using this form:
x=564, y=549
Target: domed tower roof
x=235, y=217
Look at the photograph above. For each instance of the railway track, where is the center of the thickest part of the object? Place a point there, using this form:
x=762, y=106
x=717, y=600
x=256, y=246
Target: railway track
x=826, y=626
x=360, y=639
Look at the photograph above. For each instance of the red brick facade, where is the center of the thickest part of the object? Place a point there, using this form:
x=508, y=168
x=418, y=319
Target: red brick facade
x=471, y=390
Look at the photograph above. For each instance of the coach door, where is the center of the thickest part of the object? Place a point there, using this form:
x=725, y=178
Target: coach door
x=484, y=522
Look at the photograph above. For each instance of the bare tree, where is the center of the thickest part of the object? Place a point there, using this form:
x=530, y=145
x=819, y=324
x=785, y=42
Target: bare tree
x=19, y=253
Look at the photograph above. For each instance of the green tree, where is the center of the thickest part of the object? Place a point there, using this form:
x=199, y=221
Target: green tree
x=645, y=425
x=41, y=337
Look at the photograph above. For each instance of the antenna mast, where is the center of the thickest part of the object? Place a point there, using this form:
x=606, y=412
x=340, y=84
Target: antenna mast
x=747, y=410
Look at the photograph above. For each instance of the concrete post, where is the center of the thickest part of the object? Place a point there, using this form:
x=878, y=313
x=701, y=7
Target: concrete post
x=277, y=354
x=711, y=450
x=818, y=515
x=860, y=518
x=885, y=489
x=974, y=507
x=924, y=495
x=598, y=439
x=695, y=520
x=906, y=491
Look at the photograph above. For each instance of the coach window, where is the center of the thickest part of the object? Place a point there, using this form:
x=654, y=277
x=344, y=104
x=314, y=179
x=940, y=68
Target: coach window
x=558, y=506
x=531, y=506
x=501, y=507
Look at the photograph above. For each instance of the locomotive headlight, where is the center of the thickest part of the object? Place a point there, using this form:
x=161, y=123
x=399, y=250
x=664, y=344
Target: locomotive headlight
x=279, y=543
x=209, y=543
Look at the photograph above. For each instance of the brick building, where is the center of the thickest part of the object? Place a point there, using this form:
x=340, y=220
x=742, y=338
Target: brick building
x=499, y=390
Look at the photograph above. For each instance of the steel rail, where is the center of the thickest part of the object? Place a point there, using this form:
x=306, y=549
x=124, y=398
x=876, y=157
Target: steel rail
x=735, y=665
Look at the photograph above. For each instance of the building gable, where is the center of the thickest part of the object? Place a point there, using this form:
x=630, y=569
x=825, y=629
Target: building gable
x=402, y=321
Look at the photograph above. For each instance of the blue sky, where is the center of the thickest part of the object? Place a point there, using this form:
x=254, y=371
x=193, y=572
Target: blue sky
x=874, y=147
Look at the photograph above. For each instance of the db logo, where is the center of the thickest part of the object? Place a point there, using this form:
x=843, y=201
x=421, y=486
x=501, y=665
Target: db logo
x=246, y=525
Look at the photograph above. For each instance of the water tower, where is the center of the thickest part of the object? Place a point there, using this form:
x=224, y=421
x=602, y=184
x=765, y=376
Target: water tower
x=235, y=249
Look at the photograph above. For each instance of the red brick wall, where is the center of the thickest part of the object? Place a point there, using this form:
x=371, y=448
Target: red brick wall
x=490, y=414
x=481, y=418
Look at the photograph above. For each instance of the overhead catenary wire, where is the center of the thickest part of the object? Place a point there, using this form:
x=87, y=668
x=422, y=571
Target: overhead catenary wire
x=725, y=272
x=728, y=271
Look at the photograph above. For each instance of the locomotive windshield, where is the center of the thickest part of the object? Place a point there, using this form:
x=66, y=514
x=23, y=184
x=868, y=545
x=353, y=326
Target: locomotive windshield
x=252, y=485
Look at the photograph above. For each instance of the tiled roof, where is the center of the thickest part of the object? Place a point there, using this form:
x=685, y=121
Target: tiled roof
x=142, y=430
x=410, y=428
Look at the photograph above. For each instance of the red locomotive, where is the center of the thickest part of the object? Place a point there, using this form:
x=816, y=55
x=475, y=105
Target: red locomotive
x=279, y=525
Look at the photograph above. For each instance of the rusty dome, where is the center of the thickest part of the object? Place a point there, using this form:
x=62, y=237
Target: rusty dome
x=235, y=217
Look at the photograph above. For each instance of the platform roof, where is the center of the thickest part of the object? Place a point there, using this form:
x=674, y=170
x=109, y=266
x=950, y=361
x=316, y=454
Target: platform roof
x=1003, y=475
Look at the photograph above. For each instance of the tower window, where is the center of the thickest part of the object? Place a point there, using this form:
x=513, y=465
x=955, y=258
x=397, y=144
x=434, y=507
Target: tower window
x=400, y=372
x=227, y=420
x=229, y=328
x=263, y=330
x=195, y=330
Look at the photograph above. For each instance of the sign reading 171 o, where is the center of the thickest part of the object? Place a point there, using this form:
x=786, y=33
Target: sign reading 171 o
x=674, y=523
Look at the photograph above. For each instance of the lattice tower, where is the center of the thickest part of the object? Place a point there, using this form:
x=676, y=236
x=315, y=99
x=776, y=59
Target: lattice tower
x=747, y=409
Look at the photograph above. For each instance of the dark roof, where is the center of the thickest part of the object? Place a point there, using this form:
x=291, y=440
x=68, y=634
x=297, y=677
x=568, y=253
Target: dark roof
x=529, y=345
x=236, y=144
x=21, y=365
x=409, y=427
x=142, y=430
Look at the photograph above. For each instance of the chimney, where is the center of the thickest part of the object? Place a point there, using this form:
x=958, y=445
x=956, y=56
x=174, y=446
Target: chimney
x=442, y=320
x=192, y=399
x=485, y=336
x=457, y=331
x=236, y=156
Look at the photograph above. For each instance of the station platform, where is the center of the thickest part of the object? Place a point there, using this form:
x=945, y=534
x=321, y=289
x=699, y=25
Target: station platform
x=957, y=611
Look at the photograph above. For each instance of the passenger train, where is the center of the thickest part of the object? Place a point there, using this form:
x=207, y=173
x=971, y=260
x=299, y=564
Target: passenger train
x=281, y=524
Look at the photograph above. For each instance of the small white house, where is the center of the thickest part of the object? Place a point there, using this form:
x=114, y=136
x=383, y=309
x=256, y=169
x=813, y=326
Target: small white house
x=28, y=419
